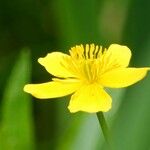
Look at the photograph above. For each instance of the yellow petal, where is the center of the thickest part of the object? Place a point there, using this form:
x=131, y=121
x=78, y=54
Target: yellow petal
x=56, y=65
x=122, y=77
x=52, y=89
x=117, y=55
x=90, y=98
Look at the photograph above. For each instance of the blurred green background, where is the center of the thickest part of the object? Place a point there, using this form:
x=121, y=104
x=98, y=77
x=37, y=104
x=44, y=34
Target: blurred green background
x=29, y=29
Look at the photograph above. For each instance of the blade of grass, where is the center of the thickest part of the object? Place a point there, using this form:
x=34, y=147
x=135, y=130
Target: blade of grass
x=17, y=121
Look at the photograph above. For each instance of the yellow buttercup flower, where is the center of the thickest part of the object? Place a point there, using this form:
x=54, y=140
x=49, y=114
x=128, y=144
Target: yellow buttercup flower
x=85, y=73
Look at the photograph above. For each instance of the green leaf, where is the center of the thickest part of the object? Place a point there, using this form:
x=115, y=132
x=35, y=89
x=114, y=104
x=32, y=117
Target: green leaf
x=17, y=121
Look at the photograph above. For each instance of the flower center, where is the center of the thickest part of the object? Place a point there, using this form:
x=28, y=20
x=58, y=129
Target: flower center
x=86, y=62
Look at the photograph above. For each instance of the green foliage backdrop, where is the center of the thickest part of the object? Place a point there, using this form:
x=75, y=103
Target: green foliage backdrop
x=56, y=25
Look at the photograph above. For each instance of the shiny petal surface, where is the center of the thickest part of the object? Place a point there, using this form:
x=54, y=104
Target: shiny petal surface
x=52, y=89
x=117, y=56
x=122, y=77
x=56, y=65
x=90, y=98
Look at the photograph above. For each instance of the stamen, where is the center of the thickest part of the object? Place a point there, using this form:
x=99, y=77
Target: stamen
x=82, y=50
x=95, y=51
x=86, y=51
x=99, y=53
x=92, y=48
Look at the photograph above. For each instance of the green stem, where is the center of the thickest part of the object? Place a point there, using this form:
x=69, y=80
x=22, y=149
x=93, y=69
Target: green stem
x=104, y=126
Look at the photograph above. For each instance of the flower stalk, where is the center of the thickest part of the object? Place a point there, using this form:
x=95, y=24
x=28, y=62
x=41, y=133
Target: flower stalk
x=104, y=126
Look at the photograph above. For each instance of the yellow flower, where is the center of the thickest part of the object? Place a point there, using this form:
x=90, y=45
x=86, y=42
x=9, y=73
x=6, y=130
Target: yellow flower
x=85, y=73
